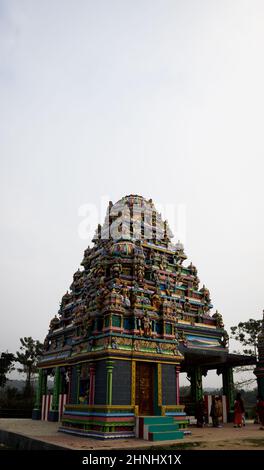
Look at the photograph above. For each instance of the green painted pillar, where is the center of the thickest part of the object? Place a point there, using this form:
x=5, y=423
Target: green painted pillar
x=195, y=375
x=228, y=389
x=39, y=390
x=36, y=414
x=109, y=388
x=54, y=412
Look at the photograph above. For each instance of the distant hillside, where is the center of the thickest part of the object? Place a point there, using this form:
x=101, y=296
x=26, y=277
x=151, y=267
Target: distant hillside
x=20, y=384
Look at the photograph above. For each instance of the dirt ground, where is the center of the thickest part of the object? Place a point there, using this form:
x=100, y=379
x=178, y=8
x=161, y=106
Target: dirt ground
x=249, y=437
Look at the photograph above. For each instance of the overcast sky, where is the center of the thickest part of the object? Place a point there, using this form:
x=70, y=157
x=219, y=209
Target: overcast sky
x=162, y=98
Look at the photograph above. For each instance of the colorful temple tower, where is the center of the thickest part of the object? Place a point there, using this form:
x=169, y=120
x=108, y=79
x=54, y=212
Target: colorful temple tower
x=259, y=371
x=134, y=318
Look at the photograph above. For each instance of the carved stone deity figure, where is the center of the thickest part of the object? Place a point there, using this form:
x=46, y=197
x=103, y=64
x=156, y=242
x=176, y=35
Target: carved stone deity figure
x=182, y=338
x=156, y=277
x=116, y=269
x=163, y=263
x=125, y=297
x=147, y=325
x=54, y=323
x=155, y=301
x=218, y=319
x=140, y=271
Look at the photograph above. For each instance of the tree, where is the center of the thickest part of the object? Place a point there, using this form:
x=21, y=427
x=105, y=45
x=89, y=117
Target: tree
x=247, y=334
x=27, y=356
x=6, y=366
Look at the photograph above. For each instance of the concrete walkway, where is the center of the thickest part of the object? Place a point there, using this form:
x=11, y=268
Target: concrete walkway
x=45, y=435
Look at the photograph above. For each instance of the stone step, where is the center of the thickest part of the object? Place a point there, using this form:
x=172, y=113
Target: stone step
x=183, y=423
x=162, y=427
x=165, y=436
x=157, y=419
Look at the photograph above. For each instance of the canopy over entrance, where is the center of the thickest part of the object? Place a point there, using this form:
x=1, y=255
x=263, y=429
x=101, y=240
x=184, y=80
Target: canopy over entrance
x=213, y=359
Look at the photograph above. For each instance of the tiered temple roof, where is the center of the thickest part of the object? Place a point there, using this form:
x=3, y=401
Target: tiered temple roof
x=135, y=294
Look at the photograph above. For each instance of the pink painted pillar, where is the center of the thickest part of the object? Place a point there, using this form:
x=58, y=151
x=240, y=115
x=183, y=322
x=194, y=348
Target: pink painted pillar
x=177, y=368
x=92, y=384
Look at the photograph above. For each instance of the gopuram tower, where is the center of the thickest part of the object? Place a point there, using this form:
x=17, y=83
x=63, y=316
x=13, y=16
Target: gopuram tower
x=134, y=318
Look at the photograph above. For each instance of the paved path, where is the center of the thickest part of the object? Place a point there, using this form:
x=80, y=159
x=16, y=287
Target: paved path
x=249, y=437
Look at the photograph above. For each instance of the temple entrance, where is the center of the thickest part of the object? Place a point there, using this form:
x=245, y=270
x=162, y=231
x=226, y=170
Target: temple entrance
x=145, y=388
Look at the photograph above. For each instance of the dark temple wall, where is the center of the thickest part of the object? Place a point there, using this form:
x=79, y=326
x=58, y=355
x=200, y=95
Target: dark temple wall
x=122, y=383
x=100, y=383
x=168, y=384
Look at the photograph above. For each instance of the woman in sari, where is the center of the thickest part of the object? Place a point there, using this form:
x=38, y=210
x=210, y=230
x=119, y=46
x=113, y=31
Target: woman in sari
x=239, y=411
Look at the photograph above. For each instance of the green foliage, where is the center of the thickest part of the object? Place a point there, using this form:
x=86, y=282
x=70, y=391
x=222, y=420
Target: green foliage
x=28, y=356
x=6, y=366
x=247, y=334
x=13, y=399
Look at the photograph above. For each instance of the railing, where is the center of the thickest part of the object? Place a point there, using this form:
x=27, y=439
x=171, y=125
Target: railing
x=171, y=408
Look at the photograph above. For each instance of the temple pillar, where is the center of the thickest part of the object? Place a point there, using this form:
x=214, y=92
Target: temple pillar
x=259, y=370
x=177, y=370
x=69, y=384
x=78, y=373
x=42, y=378
x=195, y=376
x=260, y=381
x=228, y=390
x=53, y=414
x=109, y=385
x=92, y=384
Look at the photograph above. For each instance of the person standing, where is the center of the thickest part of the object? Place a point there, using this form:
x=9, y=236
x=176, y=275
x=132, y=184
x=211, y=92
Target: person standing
x=219, y=410
x=239, y=410
x=213, y=413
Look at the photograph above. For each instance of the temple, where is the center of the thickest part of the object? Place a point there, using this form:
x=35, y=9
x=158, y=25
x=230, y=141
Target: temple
x=135, y=317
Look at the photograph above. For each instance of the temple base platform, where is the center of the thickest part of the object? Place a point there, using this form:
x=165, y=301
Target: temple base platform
x=116, y=422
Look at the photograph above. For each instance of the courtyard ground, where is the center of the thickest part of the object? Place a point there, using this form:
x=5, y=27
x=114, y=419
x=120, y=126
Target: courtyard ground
x=45, y=434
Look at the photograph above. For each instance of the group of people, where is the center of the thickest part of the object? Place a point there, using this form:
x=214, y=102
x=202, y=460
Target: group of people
x=216, y=412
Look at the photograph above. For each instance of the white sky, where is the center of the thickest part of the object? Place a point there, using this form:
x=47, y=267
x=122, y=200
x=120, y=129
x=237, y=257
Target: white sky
x=162, y=98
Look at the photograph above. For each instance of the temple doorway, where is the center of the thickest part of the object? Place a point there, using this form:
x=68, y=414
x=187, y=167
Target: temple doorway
x=145, y=388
